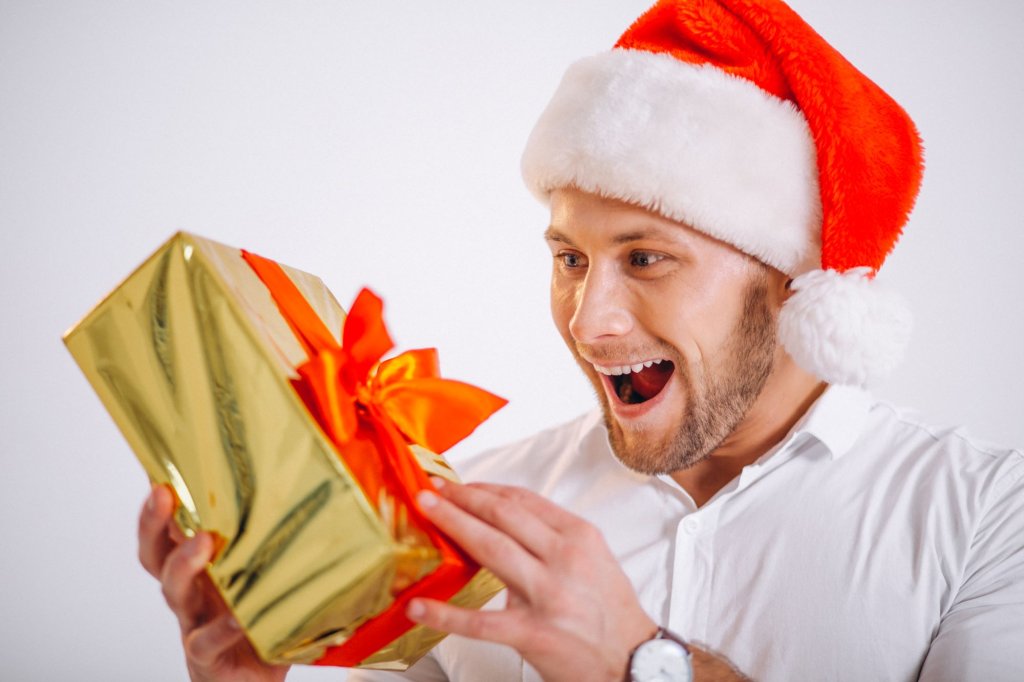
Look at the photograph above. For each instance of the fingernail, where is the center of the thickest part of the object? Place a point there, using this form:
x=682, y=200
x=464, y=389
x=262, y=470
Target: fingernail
x=233, y=624
x=416, y=609
x=438, y=482
x=426, y=499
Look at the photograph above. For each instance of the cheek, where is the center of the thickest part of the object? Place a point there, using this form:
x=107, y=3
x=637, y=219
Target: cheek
x=563, y=306
x=693, y=318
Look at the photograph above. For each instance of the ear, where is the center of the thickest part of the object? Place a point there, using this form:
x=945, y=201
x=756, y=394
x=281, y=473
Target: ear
x=779, y=286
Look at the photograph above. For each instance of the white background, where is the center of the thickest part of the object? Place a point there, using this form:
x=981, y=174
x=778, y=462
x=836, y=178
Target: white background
x=378, y=143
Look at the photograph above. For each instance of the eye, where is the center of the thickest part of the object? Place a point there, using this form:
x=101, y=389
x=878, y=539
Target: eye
x=570, y=259
x=644, y=259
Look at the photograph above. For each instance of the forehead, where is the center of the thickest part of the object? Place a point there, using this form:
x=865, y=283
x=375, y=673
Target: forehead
x=578, y=216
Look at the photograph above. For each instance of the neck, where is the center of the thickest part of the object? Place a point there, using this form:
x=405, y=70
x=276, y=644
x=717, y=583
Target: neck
x=787, y=395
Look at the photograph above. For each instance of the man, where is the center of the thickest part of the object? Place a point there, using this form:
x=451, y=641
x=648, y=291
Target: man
x=723, y=185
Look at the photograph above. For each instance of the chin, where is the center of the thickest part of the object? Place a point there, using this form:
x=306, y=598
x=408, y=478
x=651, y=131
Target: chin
x=653, y=436
x=652, y=453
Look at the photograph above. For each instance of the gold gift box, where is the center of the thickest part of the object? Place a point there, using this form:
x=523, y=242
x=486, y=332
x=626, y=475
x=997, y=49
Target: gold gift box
x=192, y=358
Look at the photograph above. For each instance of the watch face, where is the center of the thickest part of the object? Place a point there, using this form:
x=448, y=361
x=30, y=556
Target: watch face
x=661, y=660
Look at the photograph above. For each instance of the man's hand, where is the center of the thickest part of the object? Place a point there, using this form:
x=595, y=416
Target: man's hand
x=215, y=647
x=572, y=613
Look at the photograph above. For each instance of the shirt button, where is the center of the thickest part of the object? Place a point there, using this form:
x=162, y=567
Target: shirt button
x=691, y=525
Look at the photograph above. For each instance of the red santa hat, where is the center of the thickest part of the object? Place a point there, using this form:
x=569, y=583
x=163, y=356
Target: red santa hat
x=736, y=118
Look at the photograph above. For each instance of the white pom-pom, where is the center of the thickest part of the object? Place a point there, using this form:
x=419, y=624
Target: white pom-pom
x=843, y=328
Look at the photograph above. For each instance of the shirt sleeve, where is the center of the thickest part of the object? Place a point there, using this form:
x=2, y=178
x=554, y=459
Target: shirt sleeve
x=979, y=637
x=426, y=669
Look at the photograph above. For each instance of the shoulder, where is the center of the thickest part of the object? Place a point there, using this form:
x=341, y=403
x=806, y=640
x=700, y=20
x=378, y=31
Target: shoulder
x=940, y=464
x=912, y=436
x=966, y=498
x=891, y=462
x=528, y=461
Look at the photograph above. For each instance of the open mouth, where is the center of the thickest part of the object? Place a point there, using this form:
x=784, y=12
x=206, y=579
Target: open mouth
x=635, y=384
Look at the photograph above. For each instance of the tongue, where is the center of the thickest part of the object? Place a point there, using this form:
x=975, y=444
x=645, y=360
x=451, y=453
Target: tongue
x=649, y=381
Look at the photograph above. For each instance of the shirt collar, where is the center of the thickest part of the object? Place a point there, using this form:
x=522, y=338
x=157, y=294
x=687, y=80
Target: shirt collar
x=836, y=419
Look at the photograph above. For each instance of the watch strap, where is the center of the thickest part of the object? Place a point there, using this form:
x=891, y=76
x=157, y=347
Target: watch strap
x=664, y=633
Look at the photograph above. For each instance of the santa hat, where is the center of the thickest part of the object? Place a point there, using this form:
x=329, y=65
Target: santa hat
x=735, y=117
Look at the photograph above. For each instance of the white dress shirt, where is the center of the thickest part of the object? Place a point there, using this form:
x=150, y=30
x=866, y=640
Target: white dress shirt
x=864, y=546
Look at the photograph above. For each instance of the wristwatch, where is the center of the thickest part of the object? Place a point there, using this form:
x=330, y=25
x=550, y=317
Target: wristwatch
x=662, y=658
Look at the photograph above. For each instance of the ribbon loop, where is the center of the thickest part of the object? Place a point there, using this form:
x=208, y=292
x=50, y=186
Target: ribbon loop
x=364, y=338
x=412, y=364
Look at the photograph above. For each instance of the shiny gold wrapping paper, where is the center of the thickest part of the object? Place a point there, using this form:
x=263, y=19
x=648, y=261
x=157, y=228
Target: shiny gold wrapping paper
x=192, y=358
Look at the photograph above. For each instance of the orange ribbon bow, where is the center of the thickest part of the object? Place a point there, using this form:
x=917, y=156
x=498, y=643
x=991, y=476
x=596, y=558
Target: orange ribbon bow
x=407, y=390
x=371, y=410
x=428, y=410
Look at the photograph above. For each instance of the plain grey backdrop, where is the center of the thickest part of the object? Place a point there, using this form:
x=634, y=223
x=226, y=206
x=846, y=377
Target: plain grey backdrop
x=378, y=143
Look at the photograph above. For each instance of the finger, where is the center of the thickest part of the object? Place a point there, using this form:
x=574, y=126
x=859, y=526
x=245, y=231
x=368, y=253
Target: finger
x=490, y=547
x=177, y=536
x=503, y=627
x=507, y=514
x=555, y=516
x=204, y=645
x=179, y=576
x=154, y=541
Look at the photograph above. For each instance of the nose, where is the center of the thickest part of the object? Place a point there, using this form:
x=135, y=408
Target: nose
x=601, y=308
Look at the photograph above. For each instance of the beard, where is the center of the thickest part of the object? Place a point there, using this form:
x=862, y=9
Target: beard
x=717, y=399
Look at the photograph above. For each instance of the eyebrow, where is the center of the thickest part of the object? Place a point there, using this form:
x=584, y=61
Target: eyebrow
x=637, y=235
x=553, y=235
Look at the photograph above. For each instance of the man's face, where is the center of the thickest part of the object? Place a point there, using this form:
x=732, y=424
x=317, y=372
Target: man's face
x=675, y=330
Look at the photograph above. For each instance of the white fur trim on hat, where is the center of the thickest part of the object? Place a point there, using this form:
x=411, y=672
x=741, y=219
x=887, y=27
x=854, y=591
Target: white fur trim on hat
x=692, y=143
x=843, y=327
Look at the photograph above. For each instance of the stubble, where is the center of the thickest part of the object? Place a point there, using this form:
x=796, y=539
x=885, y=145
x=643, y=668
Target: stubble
x=718, y=398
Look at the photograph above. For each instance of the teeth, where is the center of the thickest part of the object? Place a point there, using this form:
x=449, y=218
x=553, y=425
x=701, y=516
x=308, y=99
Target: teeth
x=626, y=369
